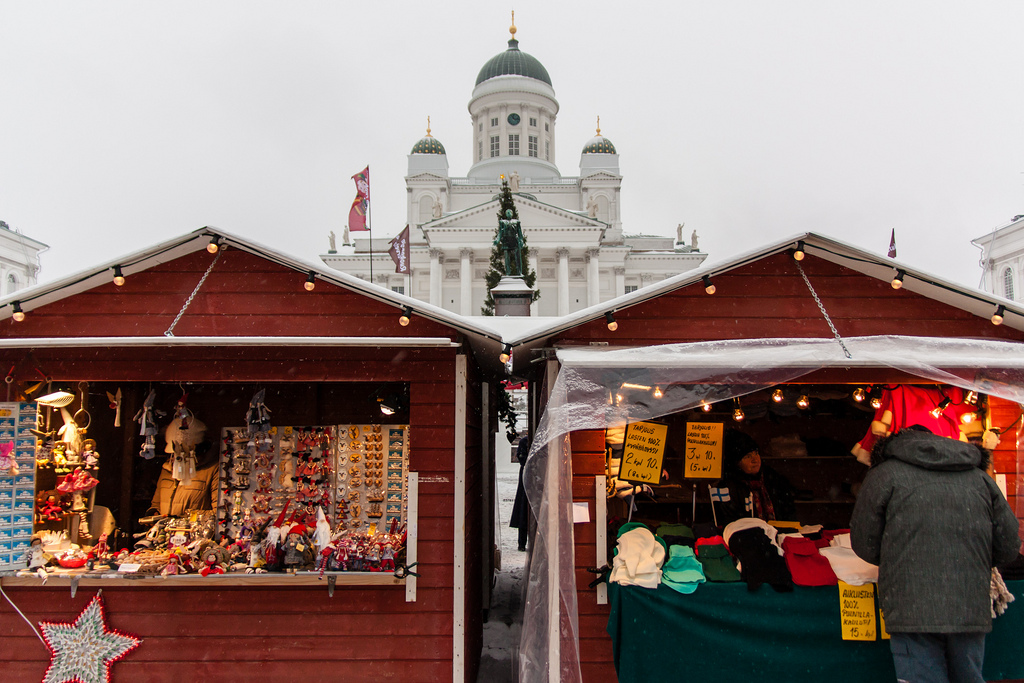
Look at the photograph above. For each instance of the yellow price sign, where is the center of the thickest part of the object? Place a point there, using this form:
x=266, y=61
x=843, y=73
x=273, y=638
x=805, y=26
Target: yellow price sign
x=857, y=611
x=703, y=450
x=642, y=452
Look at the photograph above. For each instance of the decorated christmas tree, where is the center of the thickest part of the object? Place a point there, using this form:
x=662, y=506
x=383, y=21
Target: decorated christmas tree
x=497, y=269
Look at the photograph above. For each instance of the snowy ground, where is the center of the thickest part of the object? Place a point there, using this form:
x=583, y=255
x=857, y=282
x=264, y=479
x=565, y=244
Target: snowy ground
x=498, y=662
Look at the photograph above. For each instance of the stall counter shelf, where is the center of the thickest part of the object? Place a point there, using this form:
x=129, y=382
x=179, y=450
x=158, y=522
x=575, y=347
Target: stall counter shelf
x=113, y=578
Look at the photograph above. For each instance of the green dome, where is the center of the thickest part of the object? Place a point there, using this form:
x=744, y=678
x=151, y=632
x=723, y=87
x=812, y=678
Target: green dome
x=512, y=62
x=428, y=145
x=599, y=145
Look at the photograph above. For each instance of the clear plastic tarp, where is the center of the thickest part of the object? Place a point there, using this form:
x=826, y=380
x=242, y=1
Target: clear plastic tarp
x=600, y=388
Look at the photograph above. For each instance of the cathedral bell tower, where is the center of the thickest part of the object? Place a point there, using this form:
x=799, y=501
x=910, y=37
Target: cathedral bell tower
x=513, y=109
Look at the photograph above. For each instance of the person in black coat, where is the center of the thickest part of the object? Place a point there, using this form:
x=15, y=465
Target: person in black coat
x=753, y=487
x=521, y=507
x=933, y=520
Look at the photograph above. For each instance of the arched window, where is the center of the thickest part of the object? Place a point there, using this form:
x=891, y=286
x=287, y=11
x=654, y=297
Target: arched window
x=12, y=283
x=1008, y=283
x=426, y=208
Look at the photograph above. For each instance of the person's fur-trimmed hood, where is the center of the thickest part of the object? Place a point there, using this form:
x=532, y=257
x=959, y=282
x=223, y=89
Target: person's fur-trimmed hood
x=921, y=448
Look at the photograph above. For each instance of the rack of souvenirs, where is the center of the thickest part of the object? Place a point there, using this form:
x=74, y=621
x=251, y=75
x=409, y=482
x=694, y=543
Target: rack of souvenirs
x=175, y=546
x=17, y=481
x=269, y=499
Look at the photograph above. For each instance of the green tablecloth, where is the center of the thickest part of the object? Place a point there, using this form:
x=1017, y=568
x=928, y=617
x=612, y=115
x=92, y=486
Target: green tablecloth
x=723, y=632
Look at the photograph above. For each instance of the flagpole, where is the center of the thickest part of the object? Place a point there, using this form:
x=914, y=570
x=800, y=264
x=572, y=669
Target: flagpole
x=368, y=229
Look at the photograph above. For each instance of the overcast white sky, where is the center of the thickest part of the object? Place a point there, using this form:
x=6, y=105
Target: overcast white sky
x=125, y=123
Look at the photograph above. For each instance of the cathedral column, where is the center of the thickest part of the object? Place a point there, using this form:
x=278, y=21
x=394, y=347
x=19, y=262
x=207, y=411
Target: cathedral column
x=593, y=277
x=620, y=280
x=436, y=256
x=533, y=257
x=466, y=281
x=563, y=280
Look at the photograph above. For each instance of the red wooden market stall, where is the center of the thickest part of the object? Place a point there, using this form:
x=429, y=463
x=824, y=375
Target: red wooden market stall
x=792, y=351
x=315, y=398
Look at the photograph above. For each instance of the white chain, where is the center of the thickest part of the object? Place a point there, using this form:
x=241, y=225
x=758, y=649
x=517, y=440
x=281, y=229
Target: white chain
x=823, y=311
x=188, y=302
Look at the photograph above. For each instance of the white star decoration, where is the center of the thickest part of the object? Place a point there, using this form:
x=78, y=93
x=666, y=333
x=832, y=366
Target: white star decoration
x=83, y=651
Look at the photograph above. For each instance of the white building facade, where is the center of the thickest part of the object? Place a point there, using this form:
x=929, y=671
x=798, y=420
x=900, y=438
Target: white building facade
x=19, y=260
x=1002, y=260
x=572, y=224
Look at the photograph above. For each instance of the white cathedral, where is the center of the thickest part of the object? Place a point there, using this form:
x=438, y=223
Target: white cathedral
x=572, y=224
x=1002, y=259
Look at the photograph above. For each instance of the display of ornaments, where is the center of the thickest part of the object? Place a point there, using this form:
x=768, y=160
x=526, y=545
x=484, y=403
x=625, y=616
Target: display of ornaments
x=372, y=462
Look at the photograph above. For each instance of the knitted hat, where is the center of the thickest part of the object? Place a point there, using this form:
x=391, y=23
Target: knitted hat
x=718, y=564
x=682, y=572
x=736, y=444
x=807, y=566
x=630, y=526
x=638, y=559
x=676, y=534
x=760, y=560
x=675, y=530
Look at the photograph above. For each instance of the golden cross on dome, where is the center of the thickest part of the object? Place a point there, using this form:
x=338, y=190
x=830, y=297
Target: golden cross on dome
x=428, y=127
x=512, y=28
x=598, y=125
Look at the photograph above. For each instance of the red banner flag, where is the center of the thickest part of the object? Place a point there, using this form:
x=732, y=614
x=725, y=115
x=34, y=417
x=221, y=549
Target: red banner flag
x=400, y=252
x=892, y=244
x=357, y=214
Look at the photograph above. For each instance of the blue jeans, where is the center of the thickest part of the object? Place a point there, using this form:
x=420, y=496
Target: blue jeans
x=938, y=657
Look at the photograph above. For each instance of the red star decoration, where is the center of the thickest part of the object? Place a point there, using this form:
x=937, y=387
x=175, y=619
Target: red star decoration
x=82, y=652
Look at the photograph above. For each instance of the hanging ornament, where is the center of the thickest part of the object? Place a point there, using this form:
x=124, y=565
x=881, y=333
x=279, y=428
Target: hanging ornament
x=258, y=416
x=85, y=650
x=146, y=418
x=115, y=405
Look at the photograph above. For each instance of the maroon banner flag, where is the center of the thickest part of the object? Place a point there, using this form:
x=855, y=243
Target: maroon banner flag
x=357, y=214
x=892, y=244
x=400, y=252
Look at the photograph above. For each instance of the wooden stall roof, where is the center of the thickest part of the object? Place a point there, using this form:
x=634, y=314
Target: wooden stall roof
x=142, y=264
x=829, y=264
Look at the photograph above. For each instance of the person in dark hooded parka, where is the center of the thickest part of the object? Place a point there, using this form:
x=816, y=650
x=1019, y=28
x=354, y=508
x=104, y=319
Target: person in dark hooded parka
x=933, y=520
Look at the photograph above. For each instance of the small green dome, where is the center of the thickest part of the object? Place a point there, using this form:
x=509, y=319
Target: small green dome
x=513, y=62
x=428, y=145
x=599, y=145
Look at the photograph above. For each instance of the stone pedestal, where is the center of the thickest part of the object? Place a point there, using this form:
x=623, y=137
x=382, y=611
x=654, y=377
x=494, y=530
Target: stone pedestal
x=512, y=297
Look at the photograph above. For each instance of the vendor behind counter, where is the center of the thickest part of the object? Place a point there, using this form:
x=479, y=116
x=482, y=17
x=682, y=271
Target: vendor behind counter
x=749, y=486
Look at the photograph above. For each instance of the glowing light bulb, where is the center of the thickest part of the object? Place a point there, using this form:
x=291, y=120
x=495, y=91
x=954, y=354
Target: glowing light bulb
x=778, y=396
x=859, y=395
